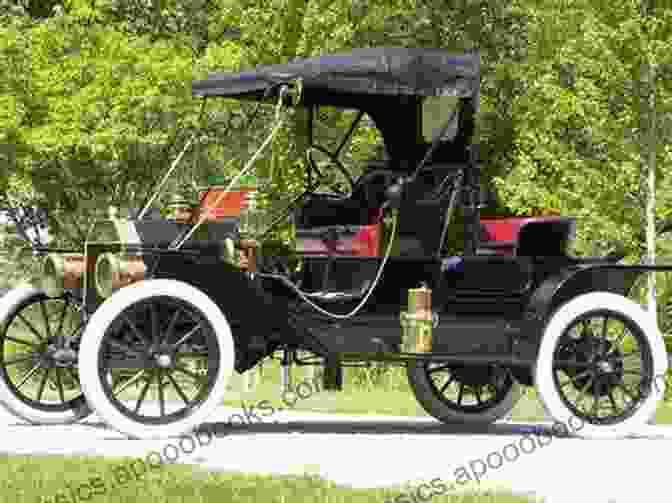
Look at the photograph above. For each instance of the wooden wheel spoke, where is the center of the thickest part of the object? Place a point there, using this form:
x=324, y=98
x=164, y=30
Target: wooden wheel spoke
x=137, y=332
x=477, y=392
x=43, y=309
x=77, y=328
x=62, y=318
x=613, y=402
x=16, y=361
x=171, y=325
x=621, y=337
x=19, y=341
x=129, y=382
x=189, y=373
x=633, y=372
x=28, y=375
x=459, y=394
x=447, y=383
x=140, y=399
x=74, y=376
x=580, y=375
x=59, y=384
x=162, y=399
x=30, y=327
x=585, y=326
x=43, y=383
x=634, y=353
x=604, y=327
x=584, y=388
x=178, y=389
x=187, y=335
x=626, y=392
x=154, y=322
x=568, y=381
x=596, y=398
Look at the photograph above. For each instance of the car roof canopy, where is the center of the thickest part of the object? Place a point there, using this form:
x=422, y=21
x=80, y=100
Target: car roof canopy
x=387, y=83
x=343, y=79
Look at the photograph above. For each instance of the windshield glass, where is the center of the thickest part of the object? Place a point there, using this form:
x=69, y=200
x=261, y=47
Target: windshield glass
x=330, y=129
x=436, y=110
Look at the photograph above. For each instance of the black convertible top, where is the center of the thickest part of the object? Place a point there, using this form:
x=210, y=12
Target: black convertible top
x=327, y=79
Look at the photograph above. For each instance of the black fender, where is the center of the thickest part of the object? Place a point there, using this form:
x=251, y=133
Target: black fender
x=260, y=321
x=556, y=290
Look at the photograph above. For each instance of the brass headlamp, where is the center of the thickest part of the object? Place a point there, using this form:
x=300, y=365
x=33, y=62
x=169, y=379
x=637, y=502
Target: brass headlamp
x=62, y=271
x=115, y=270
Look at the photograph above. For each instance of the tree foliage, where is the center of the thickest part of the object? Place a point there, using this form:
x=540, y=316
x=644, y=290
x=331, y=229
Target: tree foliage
x=96, y=97
x=578, y=147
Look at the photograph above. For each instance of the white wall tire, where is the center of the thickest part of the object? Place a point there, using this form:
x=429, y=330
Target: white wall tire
x=448, y=405
x=106, y=324
x=593, y=397
x=24, y=398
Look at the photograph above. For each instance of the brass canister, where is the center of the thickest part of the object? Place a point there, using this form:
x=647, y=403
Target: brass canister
x=114, y=271
x=416, y=323
x=62, y=271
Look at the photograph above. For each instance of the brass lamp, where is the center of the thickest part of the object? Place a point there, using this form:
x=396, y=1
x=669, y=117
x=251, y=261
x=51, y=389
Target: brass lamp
x=417, y=322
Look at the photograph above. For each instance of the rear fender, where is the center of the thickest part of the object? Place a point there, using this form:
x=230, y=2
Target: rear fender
x=555, y=290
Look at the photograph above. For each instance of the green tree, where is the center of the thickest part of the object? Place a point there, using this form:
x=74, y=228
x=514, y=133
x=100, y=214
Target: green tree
x=577, y=144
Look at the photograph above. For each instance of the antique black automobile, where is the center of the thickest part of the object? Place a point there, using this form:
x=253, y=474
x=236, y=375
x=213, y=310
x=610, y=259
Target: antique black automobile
x=117, y=328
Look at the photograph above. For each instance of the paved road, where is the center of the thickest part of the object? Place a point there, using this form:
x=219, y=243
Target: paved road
x=370, y=451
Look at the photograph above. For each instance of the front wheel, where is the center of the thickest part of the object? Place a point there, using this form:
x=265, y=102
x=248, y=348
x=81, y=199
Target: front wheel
x=39, y=334
x=601, y=366
x=139, y=355
x=464, y=393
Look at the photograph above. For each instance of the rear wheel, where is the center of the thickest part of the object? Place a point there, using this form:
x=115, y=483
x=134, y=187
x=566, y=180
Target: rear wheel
x=601, y=365
x=39, y=381
x=464, y=393
x=155, y=359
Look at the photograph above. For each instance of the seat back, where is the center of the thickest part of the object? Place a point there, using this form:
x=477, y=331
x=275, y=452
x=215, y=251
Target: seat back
x=420, y=224
x=419, y=228
x=422, y=215
x=541, y=236
x=546, y=237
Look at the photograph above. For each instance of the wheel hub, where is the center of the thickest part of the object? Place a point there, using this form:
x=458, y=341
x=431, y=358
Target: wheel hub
x=163, y=360
x=162, y=356
x=64, y=357
x=605, y=366
x=52, y=354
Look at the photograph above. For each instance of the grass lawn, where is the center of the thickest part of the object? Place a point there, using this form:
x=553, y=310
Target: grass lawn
x=57, y=479
x=52, y=479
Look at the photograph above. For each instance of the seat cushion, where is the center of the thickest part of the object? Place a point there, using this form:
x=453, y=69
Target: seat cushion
x=354, y=240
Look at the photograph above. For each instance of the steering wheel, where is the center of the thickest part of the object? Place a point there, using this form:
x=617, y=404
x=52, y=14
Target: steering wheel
x=374, y=195
x=333, y=159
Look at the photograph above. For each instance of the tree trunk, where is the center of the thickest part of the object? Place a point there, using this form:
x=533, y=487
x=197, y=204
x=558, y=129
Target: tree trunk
x=649, y=168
